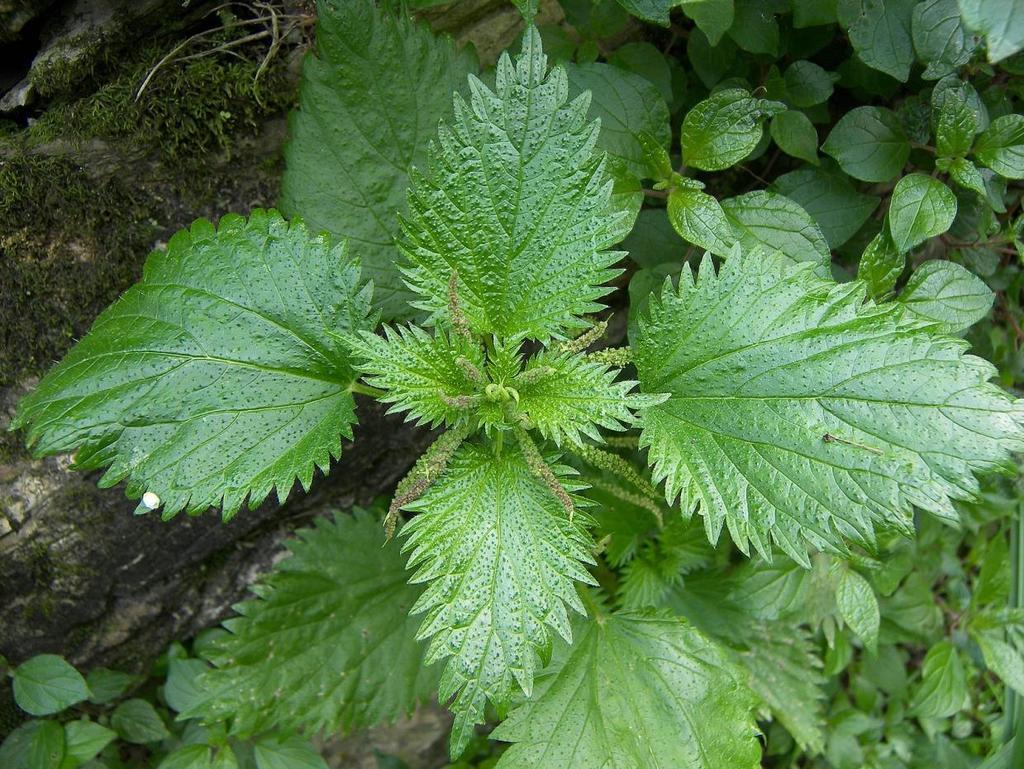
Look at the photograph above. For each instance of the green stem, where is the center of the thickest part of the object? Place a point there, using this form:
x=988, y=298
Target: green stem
x=1014, y=711
x=365, y=389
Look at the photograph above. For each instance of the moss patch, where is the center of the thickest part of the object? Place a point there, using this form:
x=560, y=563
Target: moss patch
x=71, y=245
x=186, y=109
x=78, y=224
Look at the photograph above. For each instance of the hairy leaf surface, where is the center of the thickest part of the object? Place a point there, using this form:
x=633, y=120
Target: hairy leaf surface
x=356, y=134
x=500, y=557
x=803, y=415
x=220, y=375
x=636, y=691
x=420, y=371
x=514, y=199
x=572, y=397
x=328, y=643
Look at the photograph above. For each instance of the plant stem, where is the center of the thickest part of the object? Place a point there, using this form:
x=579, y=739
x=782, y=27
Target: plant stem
x=663, y=194
x=1014, y=712
x=365, y=389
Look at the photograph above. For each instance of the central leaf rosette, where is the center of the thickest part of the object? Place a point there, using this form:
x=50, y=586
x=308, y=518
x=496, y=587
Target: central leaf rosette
x=506, y=237
x=497, y=537
x=454, y=379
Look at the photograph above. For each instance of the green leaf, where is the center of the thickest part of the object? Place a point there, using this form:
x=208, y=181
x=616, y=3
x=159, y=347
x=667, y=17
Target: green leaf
x=869, y=144
x=182, y=690
x=15, y=747
x=795, y=134
x=84, y=739
x=993, y=583
x=801, y=414
x=966, y=174
x=830, y=199
x=420, y=371
x=947, y=294
x=47, y=748
x=646, y=60
x=657, y=163
x=514, y=200
x=813, y=13
x=858, y=606
x=956, y=122
x=1002, y=24
x=699, y=219
x=625, y=513
x=1001, y=146
x=724, y=128
x=107, y=685
x=754, y=28
x=963, y=91
x=807, y=84
x=500, y=556
x=775, y=590
x=224, y=758
x=566, y=397
x=680, y=548
x=654, y=11
x=137, y=721
x=943, y=688
x=713, y=17
x=921, y=208
x=710, y=63
x=779, y=656
x=911, y=614
x=356, y=135
x=881, y=264
x=47, y=684
x=220, y=376
x=187, y=757
x=879, y=31
x=286, y=753
x=1002, y=659
x=775, y=222
x=627, y=106
x=635, y=690
x=595, y=20
x=785, y=672
x=328, y=644
x=941, y=42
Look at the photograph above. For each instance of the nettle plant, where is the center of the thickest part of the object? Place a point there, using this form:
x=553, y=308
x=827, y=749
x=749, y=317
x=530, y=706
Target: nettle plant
x=631, y=553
